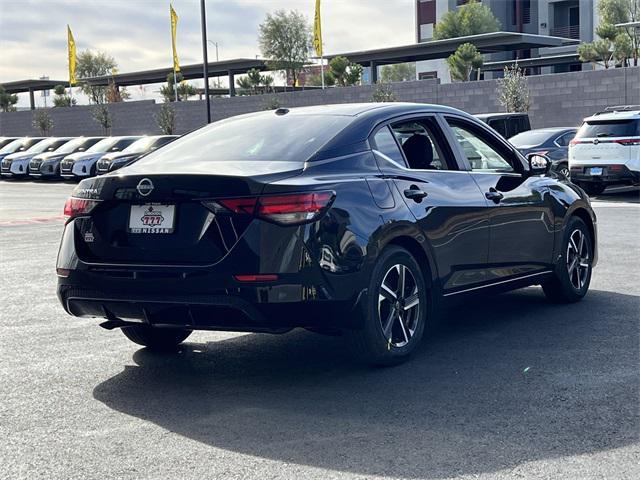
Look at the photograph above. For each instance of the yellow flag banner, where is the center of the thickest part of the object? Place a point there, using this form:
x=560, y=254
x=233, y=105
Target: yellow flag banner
x=317, y=31
x=174, y=26
x=71, y=48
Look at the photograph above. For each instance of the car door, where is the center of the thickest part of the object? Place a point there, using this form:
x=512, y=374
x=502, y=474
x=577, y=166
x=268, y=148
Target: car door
x=445, y=201
x=521, y=230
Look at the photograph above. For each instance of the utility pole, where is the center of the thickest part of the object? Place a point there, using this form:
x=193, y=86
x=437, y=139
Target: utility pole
x=205, y=63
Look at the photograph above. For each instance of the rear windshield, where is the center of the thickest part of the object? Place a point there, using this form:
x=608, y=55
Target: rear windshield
x=262, y=137
x=609, y=128
x=530, y=138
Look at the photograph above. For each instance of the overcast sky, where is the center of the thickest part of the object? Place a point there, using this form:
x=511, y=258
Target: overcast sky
x=136, y=32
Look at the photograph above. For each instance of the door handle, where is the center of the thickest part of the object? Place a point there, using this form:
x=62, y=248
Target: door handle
x=415, y=193
x=494, y=195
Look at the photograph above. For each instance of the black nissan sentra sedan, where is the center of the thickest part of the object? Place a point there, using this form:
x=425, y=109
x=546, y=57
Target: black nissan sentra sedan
x=360, y=219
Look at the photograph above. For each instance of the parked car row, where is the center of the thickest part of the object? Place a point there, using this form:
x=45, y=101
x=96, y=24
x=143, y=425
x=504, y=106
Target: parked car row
x=72, y=157
x=604, y=151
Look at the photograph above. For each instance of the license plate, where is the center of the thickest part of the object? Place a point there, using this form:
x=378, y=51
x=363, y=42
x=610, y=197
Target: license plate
x=152, y=218
x=596, y=171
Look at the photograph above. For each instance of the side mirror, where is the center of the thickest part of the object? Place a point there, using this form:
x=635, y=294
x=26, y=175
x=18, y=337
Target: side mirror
x=115, y=149
x=81, y=149
x=538, y=164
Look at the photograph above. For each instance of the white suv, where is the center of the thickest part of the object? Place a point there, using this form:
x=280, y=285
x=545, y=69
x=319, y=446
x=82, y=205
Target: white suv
x=606, y=150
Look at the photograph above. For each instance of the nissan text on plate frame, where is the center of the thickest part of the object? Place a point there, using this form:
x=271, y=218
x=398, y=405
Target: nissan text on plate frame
x=360, y=219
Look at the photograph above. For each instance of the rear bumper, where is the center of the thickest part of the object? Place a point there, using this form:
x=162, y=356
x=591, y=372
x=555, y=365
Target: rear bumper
x=611, y=174
x=215, y=311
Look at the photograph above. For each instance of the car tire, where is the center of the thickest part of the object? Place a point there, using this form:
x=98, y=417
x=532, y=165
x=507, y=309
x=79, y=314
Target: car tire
x=572, y=274
x=594, y=188
x=386, y=337
x=154, y=338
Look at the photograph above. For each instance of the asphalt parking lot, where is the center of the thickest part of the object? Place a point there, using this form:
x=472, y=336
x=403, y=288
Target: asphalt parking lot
x=510, y=387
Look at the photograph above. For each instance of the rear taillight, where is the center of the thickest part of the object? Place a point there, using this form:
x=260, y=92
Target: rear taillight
x=290, y=209
x=628, y=141
x=75, y=207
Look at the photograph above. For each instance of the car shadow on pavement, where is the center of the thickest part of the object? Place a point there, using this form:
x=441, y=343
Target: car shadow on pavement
x=508, y=380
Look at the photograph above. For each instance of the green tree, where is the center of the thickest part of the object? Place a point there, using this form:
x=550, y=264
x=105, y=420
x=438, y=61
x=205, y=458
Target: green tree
x=285, y=41
x=7, y=100
x=61, y=98
x=470, y=19
x=185, y=90
x=102, y=116
x=464, y=61
x=513, y=90
x=383, y=93
x=343, y=72
x=399, y=72
x=616, y=44
x=42, y=122
x=598, y=52
x=166, y=119
x=254, y=82
x=94, y=65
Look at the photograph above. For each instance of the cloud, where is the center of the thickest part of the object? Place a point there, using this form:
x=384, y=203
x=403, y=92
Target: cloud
x=136, y=32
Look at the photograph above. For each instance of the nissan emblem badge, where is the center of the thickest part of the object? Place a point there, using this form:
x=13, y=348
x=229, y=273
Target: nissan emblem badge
x=145, y=187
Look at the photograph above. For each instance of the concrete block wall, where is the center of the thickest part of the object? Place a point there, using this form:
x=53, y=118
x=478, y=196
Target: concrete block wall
x=562, y=99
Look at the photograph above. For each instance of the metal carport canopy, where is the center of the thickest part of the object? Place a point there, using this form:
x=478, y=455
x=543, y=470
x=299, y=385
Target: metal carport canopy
x=485, y=43
x=189, y=72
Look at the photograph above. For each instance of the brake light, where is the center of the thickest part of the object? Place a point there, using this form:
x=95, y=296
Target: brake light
x=255, y=278
x=628, y=141
x=290, y=209
x=75, y=207
x=574, y=142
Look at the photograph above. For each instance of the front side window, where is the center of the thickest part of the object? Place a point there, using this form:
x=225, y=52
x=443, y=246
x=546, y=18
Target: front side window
x=481, y=155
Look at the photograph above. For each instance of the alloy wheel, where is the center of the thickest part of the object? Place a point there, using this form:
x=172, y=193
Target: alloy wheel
x=399, y=305
x=578, y=259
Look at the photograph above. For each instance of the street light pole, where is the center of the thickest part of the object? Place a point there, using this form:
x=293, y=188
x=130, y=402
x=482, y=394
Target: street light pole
x=205, y=64
x=216, y=45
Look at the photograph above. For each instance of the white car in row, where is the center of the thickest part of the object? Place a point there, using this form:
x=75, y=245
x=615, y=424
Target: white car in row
x=606, y=150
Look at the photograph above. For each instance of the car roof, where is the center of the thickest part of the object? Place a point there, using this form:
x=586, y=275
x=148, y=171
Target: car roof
x=357, y=109
x=482, y=116
x=616, y=115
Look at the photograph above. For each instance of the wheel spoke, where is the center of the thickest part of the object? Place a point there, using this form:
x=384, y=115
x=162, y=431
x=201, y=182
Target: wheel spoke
x=387, y=293
x=404, y=330
x=411, y=301
x=573, y=245
x=388, y=326
x=402, y=270
x=580, y=243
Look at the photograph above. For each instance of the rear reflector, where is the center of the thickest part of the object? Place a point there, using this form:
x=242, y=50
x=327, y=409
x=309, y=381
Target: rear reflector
x=256, y=278
x=62, y=272
x=75, y=207
x=291, y=209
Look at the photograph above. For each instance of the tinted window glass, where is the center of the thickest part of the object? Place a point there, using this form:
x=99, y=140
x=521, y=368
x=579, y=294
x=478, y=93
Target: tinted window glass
x=564, y=140
x=386, y=144
x=500, y=126
x=258, y=137
x=609, y=128
x=480, y=154
x=421, y=145
x=48, y=145
x=530, y=138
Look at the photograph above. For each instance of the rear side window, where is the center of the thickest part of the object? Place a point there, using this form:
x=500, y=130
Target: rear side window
x=386, y=144
x=500, y=126
x=609, y=128
x=259, y=137
x=564, y=140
